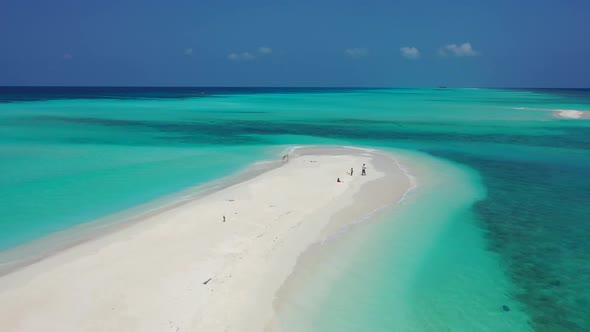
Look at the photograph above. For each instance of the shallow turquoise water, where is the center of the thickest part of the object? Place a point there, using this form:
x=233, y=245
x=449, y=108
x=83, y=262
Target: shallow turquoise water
x=516, y=233
x=424, y=268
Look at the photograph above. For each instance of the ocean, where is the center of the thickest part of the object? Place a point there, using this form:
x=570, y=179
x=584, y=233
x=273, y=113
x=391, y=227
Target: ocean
x=494, y=238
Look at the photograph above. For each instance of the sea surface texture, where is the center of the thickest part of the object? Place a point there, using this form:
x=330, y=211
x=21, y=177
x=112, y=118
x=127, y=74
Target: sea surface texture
x=494, y=238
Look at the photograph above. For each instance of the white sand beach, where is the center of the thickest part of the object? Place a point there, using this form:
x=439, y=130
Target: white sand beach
x=559, y=113
x=185, y=269
x=571, y=114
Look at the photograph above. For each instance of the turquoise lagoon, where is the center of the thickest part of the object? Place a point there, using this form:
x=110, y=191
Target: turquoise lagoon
x=500, y=219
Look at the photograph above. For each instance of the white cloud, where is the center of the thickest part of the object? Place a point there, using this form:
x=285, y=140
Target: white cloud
x=356, y=52
x=410, y=52
x=246, y=56
x=464, y=49
x=188, y=51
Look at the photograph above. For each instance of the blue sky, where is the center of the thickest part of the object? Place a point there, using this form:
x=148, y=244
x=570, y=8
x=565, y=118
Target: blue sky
x=501, y=43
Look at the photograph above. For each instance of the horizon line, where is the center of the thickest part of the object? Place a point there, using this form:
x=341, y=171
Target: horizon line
x=285, y=87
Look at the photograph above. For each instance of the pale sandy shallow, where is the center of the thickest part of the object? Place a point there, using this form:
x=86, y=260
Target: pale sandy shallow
x=184, y=269
x=571, y=114
x=563, y=114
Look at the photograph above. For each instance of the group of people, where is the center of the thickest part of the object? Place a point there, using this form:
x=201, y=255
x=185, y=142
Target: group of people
x=363, y=172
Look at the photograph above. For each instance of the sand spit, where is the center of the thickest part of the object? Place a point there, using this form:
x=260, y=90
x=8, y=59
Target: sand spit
x=211, y=264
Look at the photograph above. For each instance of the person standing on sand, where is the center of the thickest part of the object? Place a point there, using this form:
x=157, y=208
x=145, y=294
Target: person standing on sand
x=338, y=180
x=351, y=170
x=364, y=170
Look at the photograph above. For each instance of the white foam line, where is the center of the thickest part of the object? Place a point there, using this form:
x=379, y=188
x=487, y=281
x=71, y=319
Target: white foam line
x=296, y=147
x=359, y=148
x=262, y=162
x=293, y=148
x=411, y=178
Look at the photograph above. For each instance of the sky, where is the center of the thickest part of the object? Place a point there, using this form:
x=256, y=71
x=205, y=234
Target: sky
x=305, y=43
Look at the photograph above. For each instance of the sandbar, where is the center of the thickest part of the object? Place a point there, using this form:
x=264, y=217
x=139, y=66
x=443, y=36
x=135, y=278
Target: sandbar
x=214, y=263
